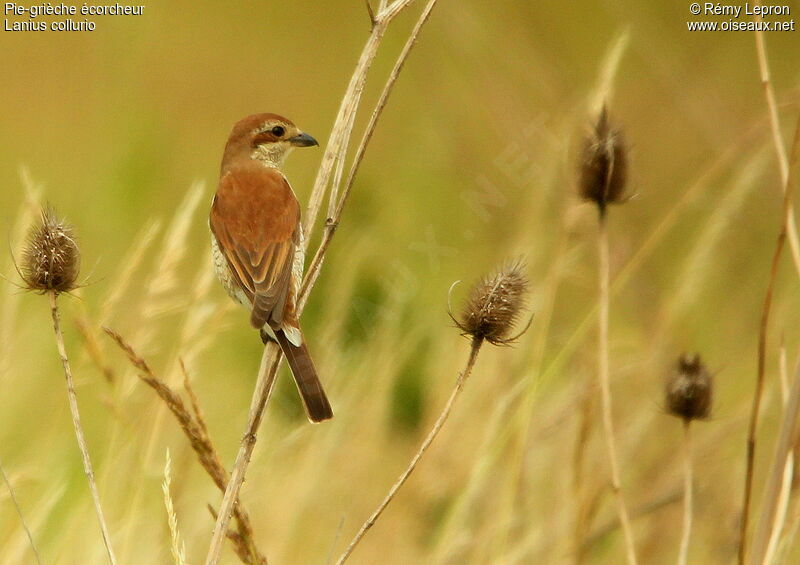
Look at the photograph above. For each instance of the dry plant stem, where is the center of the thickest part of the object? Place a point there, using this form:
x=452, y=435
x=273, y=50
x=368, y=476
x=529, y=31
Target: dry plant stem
x=687, y=493
x=337, y=143
x=605, y=388
x=19, y=513
x=780, y=146
x=752, y=428
x=336, y=149
x=343, y=126
x=786, y=488
x=787, y=541
x=76, y=422
x=266, y=379
x=336, y=208
x=786, y=440
x=784, y=498
x=437, y=426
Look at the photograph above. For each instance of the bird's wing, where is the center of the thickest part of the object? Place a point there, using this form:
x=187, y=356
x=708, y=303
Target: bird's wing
x=255, y=218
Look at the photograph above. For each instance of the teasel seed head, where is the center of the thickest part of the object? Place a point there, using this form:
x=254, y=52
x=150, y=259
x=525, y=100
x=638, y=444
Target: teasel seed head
x=494, y=306
x=603, y=165
x=51, y=258
x=689, y=389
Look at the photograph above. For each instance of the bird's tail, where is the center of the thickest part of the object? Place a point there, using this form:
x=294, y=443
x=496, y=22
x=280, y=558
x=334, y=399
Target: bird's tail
x=315, y=401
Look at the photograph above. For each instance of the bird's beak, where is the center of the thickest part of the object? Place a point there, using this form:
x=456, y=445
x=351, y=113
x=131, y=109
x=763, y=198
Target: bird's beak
x=303, y=140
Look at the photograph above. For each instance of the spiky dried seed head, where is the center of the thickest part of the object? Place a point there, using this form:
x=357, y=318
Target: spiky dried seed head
x=689, y=389
x=51, y=258
x=603, y=164
x=494, y=305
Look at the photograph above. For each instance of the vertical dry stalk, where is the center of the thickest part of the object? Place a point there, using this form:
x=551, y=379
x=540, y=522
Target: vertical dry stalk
x=780, y=146
x=605, y=389
x=583, y=507
x=786, y=489
x=437, y=426
x=337, y=207
x=602, y=178
x=338, y=142
x=76, y=422
x=752, y=428
x=18, y=510
x=788, y=228
x=784, y=497
x=687, y=493
x=335, y=150
x=787, y=541
x=788, y=437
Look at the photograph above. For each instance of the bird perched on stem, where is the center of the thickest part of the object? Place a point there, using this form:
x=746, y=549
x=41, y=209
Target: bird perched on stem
x=256, y=241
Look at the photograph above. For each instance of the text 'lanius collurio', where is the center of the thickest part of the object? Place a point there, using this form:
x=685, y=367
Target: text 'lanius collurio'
x=256, y=240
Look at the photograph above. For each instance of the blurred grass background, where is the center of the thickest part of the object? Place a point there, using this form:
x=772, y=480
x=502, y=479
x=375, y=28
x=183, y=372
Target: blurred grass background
x=122, y=129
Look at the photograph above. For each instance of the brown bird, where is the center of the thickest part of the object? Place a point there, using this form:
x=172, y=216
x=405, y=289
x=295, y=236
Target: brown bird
x=257, y=242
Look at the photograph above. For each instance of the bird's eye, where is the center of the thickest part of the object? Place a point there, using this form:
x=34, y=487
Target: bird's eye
x=278, y=131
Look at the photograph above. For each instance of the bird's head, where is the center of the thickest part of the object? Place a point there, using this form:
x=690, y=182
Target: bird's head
x=267, y=138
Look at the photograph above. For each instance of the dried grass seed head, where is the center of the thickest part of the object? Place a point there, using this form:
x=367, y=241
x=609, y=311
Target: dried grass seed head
x=603, y=164
x=494, y=305
x=51, y=258
x=689, y=389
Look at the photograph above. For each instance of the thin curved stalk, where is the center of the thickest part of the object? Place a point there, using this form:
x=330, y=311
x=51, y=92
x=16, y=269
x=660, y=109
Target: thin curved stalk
x=787, y=438
x=437, y=426
x=752, y=428
x=605, y=389
x=76, y=423
x=337, y=208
